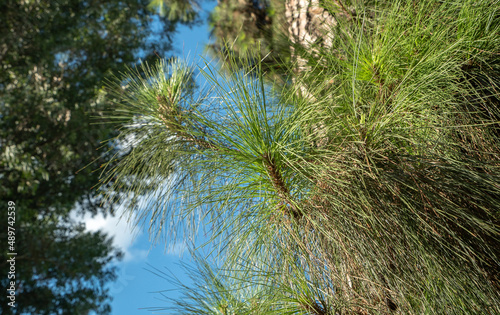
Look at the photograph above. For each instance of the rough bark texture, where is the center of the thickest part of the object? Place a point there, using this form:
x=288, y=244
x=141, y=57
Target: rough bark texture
x=308, y=25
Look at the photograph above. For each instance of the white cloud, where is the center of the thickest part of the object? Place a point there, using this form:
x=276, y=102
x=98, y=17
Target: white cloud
x=123, y=233
x=126, y=236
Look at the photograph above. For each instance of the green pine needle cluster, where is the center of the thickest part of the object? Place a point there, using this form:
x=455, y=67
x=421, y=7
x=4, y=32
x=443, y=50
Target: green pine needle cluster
x=368, y=184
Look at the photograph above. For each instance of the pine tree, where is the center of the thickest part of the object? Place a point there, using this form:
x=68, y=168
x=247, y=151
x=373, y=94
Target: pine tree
x=378, y=192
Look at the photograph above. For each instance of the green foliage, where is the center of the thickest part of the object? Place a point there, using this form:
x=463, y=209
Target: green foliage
x=54, y=56
x=185, y=11
x=60, y=269
x=204, y=145
x=237, y=28
x=370, y=183
x=250, y=28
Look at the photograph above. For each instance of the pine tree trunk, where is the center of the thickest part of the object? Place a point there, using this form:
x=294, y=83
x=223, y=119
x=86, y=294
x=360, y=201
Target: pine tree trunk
x=308, y=25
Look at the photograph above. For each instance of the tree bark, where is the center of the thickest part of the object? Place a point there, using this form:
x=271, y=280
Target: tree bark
x=309, y=24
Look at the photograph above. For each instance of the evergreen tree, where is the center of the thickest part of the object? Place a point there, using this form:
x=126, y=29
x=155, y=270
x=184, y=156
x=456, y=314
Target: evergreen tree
x=239, y=27
x=377, y=191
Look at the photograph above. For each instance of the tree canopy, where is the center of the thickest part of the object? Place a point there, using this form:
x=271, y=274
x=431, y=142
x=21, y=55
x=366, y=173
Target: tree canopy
x=61, y=269
x=239, y=27
x=54, y=57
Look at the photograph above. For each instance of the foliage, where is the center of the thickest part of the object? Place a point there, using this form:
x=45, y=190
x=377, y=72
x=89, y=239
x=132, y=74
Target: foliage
x=60, y=269
x=54, y=55
x=369, y=184
x=185, y=11
x=240, y=27
x=184, y=135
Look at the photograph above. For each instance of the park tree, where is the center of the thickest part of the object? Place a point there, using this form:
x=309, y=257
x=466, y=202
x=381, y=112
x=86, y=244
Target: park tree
x=61, y=269
x=183, y=11
x=238, y=27
x=54, y=57
x=377, y=191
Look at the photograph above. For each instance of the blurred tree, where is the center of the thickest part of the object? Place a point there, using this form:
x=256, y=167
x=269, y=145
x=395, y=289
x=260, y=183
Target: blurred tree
x=184, y=11
x=54, y=56
x=60, y=269
x=240, y=26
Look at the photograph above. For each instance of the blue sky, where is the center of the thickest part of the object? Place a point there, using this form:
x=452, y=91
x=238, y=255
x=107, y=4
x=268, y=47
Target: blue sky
x=135, y=288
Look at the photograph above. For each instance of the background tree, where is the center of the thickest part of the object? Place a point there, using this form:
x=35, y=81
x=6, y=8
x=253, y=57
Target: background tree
x=184, y=11
x=242, y=26
x=54, y=56
x=61, y=269
x=239, y=27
